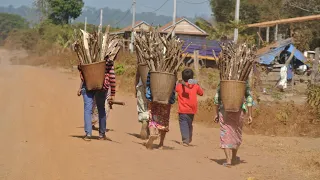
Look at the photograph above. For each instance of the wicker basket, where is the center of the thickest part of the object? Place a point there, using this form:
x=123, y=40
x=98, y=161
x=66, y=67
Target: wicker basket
x=94, y=75
x=143, y=71
x=232, y=95
x=162, y=85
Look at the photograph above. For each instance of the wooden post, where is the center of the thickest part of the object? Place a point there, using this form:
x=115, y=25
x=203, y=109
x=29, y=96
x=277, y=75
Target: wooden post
x=276, y=33
x=196, y=63
x=123, y=45
x=315, y=66
x=292, y=81
x=260, y=39
x=267, y=34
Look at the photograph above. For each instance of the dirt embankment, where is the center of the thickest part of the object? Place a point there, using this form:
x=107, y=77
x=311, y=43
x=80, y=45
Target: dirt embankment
x=271, y=119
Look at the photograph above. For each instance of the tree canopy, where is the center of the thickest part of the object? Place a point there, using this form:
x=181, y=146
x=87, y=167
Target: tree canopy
x=306, y=35
x=61, y=11
x=9, y=22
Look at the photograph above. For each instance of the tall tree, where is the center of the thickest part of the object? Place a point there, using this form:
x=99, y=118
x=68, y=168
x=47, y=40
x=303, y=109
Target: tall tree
x=224, y=11
x=42, y=7
x=61, y=11
x=9, y=22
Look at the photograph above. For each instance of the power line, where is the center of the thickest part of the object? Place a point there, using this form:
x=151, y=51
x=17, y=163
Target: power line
x=149, y=7
x=160, y=7
x=188, y=2
x=123, y=16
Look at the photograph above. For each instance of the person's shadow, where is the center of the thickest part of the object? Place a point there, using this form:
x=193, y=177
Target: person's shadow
x=222, y=161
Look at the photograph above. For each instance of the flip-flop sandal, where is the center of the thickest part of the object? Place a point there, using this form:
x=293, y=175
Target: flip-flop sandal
x=227, y=165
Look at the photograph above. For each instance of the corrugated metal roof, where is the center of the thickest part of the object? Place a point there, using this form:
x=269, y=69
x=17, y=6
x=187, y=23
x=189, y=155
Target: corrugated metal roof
x=205, y=47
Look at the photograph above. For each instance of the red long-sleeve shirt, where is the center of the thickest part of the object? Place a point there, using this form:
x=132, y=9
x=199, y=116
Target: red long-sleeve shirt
x=187, y=97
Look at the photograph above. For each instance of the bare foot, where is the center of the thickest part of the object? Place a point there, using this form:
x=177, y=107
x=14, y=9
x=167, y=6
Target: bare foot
x=144, y=130
x=235, y=161
x=160, y=146
x=149, y=143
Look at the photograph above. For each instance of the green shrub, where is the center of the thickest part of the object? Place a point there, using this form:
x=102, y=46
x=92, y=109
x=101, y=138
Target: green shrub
x=119, y=69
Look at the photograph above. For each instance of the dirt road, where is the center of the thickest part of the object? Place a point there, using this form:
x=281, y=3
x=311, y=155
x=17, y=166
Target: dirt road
x=41, y=125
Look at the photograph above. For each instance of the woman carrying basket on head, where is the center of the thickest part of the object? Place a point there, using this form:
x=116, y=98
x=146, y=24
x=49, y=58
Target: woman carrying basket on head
x=159, y=115
x=231, y=125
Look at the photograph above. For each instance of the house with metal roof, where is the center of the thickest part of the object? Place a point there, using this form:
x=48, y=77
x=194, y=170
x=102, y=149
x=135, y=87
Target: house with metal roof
x=126, y=32
x=185, y=30
x=191, y=34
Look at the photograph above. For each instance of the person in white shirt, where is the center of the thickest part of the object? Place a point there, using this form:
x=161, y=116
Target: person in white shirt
x=282, y=84
x=142, y=106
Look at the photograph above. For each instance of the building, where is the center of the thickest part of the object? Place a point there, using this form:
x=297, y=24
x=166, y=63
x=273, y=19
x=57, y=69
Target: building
x=185, y=29
x=126, y=32
x=196, y=38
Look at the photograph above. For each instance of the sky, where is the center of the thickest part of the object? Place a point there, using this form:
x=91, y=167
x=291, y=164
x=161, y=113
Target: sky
x=187, y=8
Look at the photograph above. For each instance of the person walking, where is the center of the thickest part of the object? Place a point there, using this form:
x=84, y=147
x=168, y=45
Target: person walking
x=142, y=106
x=231, y=124
x=159, y=117
x=100, y=98
x=187, y=91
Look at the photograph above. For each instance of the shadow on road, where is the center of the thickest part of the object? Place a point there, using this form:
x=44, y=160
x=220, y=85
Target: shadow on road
x=135, y=135
x=221, y=161
x=155, y=146
x=95, y=138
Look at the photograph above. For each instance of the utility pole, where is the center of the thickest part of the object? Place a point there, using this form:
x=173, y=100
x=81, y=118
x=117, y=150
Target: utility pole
x=236, y=32
x=100, y=26
x=85, y=24
x=174, y=17
x=133, y=24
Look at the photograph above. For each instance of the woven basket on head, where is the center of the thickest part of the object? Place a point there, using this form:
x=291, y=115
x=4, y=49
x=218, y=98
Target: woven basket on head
x=232, y=94
x=143, y=71
x=162, y=85
x=94, y=75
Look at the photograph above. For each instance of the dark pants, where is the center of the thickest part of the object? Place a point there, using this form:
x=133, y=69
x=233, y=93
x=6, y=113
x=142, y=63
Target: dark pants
x=186, y=128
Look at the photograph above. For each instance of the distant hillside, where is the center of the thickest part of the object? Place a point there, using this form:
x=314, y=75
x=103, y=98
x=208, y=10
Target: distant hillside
x=114, y=17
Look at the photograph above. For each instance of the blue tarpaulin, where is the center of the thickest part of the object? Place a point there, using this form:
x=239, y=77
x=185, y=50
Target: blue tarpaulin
x=268, y=57
x=297, y=54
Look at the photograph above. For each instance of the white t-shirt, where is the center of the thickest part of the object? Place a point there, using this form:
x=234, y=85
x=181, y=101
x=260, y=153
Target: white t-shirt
x=283, y=77
x=140, y=82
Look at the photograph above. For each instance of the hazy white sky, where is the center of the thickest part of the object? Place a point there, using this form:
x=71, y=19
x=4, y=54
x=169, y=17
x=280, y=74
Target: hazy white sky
x=189, y=8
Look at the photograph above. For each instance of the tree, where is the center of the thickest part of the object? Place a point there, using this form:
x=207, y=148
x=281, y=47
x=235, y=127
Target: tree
x=224, y=11
x=60, y=11
x=42, y=7
x=9, y=22
x=306, y=35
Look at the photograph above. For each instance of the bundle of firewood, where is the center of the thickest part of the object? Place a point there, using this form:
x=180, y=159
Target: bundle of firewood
x=161, y=53
x=236, y=61
x=91, y=48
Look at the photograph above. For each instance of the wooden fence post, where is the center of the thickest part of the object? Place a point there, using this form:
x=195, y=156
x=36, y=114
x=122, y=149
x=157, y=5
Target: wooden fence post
x=196, y=62
x=267, y=34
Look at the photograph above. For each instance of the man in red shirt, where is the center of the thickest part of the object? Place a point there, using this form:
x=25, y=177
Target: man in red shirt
x=187, y=91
